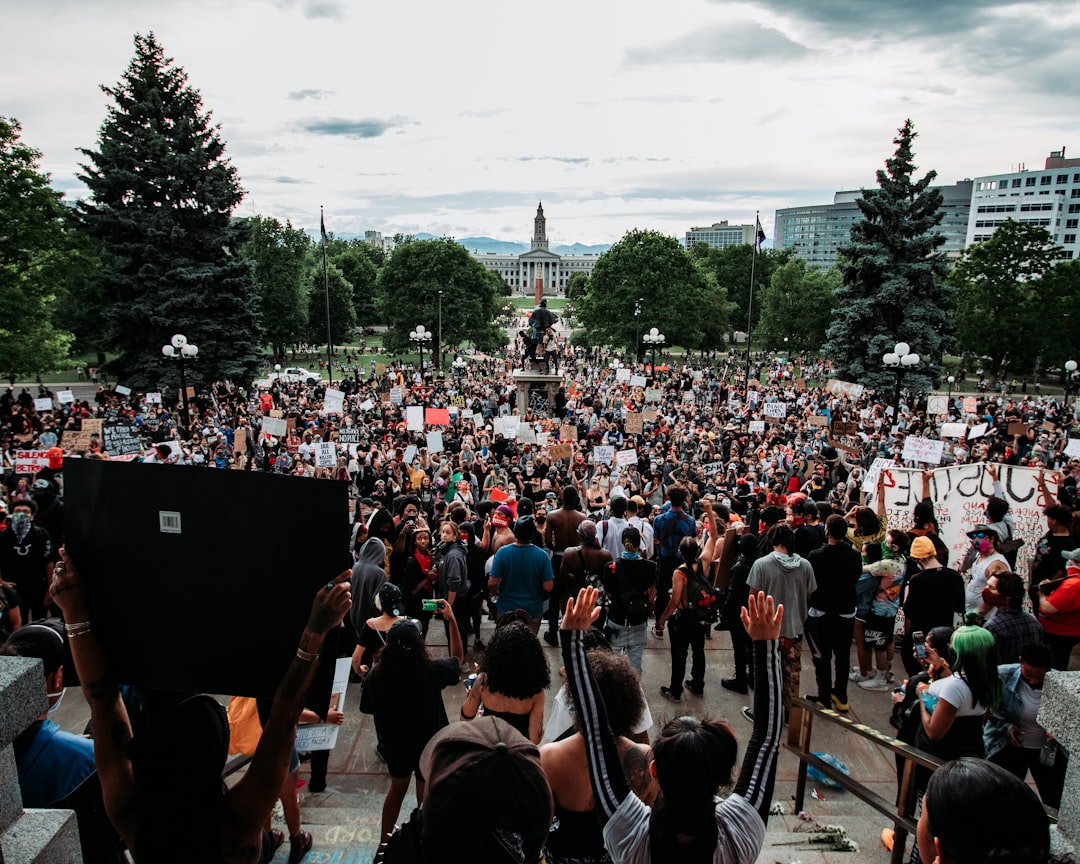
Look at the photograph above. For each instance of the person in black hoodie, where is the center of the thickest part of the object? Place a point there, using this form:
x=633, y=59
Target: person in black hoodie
x=830, y=625
x=730, y=620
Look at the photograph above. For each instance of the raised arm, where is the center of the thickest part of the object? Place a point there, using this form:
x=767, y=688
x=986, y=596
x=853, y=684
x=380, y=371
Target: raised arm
x=605, y=773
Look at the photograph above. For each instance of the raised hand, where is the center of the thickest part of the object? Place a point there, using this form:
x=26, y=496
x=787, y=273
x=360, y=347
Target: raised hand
x=761, y=616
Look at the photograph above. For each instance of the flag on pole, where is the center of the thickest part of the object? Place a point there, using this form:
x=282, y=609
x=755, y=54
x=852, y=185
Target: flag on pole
x=322, y=230
x=760, y=232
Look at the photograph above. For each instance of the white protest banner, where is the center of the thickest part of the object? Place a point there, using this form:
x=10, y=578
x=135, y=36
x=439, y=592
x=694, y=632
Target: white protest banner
x=653, y=394
x=959, y=494
x=497, y=426
x=757, y=426
x=434, y=442
x=953, y=430
x=126, y=391
x=366, y=405
x=626, y=457
x=43, y=404
x=844, y=388
x=325, y=455
x=410, y=454
x=395, y=395
x=31, y=461
x=151, y=398
x=622, y=375
x=937, y=403
x=66, y=397
x=637, y=380
x=542, y=439
x=978, y=431
x=414, y=418
x=604, y=455
x=923, y=450
x=777, y=410
x=333, y=401
x=323, y=736
x=1073, y=448
x=870, y=481
x=526, y=434
x=275, y=426
x=510, y=426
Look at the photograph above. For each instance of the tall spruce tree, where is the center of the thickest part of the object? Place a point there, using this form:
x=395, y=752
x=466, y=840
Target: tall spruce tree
x=894, y=287
x=162, y=197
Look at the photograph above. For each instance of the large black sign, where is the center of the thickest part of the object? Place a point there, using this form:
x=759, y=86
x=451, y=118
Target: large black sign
x=120, y=440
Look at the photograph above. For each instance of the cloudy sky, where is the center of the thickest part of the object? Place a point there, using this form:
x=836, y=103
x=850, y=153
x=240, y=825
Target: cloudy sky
x=454, y=118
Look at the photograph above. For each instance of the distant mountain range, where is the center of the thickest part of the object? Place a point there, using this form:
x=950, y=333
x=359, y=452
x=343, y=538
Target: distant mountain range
x=485, y=245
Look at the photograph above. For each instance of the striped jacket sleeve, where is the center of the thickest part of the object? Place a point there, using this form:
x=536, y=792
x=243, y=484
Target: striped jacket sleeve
x=755, y=783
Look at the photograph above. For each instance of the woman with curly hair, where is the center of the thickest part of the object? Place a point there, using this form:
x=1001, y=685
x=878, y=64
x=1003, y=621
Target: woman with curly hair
x=513, y=676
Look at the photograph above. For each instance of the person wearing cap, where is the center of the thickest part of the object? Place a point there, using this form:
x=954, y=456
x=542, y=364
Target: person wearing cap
x=691, y=758
x=486, y=759
x=51, y=763
x=521, y=575
x=403, y=691
x=391, y=606
x=988, y=561
x=158, y=785
x=935, y=598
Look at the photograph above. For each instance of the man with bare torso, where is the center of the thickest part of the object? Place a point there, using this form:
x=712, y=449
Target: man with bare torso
x=560, y=532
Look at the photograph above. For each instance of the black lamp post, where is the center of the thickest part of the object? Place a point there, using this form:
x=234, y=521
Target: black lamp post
x=419, y=336
x=900, y=359
x=180, y=349
x=654, y=338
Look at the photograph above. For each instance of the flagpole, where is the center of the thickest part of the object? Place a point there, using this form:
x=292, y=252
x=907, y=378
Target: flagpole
x=326, y=296
x=750, y=305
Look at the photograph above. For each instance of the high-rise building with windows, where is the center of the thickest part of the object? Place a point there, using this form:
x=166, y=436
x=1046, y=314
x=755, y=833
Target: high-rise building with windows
x=720, y=235
x=814, y=233
x=1049, y=198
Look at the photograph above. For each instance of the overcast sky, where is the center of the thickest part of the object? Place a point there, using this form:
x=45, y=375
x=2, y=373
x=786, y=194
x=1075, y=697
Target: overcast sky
x=455, y=118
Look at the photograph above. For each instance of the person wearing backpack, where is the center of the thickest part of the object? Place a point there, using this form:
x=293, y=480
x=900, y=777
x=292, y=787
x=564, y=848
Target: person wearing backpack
x=693, y=608
x=789, y=578
x=630, y=583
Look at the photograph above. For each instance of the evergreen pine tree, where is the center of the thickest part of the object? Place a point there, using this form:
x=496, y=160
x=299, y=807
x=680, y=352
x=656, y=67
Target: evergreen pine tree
x=162, y=197
x=894, y=287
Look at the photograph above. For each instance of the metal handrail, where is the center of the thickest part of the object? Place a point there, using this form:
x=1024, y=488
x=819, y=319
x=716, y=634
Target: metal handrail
x=900, y=814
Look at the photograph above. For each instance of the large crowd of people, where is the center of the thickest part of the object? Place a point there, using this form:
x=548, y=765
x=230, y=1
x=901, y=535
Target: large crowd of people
x=641, y=507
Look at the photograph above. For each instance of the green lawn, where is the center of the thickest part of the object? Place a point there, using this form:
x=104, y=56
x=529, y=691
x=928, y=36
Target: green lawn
x=530, y=303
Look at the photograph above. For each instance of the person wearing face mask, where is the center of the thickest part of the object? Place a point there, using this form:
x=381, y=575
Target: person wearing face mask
x=1011, y=626
x=988, y=562
x=25, y=553
x=1013, y=737
x=51, y=763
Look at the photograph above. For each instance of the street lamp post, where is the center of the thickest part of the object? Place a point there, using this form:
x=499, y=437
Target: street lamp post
x=952, y=380
x=180, y=349
x=419, y=336
x=440, y=330
x=900, y=359
x=459, y=366
x=1070, y=376
x=653, y=339
x=637, y=329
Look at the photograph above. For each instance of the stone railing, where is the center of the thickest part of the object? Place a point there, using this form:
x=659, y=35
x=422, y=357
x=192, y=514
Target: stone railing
x=27, y=836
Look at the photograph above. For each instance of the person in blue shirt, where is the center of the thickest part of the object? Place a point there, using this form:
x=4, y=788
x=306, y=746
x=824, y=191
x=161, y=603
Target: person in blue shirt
x=521, y=575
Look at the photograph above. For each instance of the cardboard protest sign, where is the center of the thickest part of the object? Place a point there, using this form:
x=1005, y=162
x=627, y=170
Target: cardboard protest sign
x=276, y=427
x=1072, y=448
x=970, y=405
x=93, y=425
x=937, y=403
x=560, y=451
x=380, y=368
x=800, y=383
x=75, y=441
x=333, y=401
x=349, y=435
x=648, y=416
x=121, y=439
x=255, y=599
x=1018, y=428
x=622, y=375
x=756, y=426
x=844, y=388
x=777, y=410
x=923, y=450
x=457, y=401
x=437, y=417
x=65, y=397
x=43, y=404
x=323, y=736
x=568, y=433
x=847, y=448
x=653, y=394
x=959, y=494
x=240, y=442
x=414, y=418
x=395, y=395
x=840, y=427
x=637, y=381
x=626, y=457
x=633, y=423
x=604, y=455
x=434, y=442
x=31, y=461
x=953, y=430
x=126, y=391
x=978, y=431
x=325, y=454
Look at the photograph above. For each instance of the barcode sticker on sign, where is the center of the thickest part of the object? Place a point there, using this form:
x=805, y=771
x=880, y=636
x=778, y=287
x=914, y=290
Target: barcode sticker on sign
x=169, y=520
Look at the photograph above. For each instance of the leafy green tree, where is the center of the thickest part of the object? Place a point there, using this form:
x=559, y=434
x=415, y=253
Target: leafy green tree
x=576, y=285
x=656, y=269
x=278, y=256
x=797, y=306
x=411, y=281
x=359, y=268
x=894, y=287
x=35, y=255
x=731, y=267
x=340, y=292
x=1060, y=336
x=1004, y=305
x=716, y=326
x=162, y=194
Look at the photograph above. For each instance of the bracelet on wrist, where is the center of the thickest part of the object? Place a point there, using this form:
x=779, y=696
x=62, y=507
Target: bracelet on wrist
x=73, y=633
x=306, y=656
x=77, y=627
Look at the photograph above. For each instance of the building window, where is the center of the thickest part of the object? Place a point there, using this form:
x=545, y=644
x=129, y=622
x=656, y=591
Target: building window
x=1071, y=223
x=1016, y=183
x=1074, y=193
x=1074, y=208
x=1062, y=178
x=1069, y=239
x=1029, y=181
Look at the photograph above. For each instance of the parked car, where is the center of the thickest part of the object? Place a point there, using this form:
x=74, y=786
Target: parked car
x=295, y=374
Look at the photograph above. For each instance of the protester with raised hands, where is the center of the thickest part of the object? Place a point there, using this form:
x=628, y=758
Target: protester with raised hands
x=692, y=758
x=160, y=786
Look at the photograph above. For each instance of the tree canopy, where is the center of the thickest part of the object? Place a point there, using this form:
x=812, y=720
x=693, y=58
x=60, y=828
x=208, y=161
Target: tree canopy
x=411, y=281
x=162, y=194
x=36, y=252
x=797, y=306
x=278, y=255
x=654, y=268
x=894, y=288
x=731, y=267
x=1006, y=310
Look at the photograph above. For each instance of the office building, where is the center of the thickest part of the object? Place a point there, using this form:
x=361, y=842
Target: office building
x=720, y=235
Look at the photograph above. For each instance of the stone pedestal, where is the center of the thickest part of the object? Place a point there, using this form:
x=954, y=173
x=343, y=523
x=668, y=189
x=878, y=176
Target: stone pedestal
x=536, y=391
x=1059, y=714
x=28, y=835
